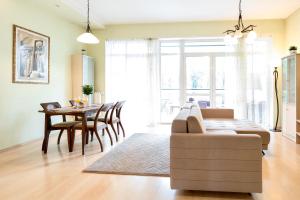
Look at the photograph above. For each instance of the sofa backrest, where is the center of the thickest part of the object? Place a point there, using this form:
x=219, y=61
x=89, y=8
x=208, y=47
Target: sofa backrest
x=179, y=124
x=217, y=113
x=189, y=120
x=195, y=121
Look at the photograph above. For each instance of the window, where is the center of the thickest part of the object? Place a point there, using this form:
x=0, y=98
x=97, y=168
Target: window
x=191, y=70
x=213, y=74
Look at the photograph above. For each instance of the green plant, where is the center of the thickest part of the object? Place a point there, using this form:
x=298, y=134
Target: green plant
x=293, y=48
x=87, y=89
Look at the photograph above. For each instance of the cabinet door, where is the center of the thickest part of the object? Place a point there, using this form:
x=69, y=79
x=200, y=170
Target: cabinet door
x=292, y=80
x=290, y=130
x=88, y=74
x=284, y=80
x=88, y=71
x=289, y=97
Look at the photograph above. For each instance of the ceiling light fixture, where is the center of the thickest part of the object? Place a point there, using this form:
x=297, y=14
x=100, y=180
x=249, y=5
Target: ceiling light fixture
x=88, y=37
x=232, y=35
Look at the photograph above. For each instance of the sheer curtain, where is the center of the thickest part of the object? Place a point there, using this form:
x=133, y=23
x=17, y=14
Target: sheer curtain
x=248, y=88
x=132, y=74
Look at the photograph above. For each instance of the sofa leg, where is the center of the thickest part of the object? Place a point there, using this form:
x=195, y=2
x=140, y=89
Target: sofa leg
x=263, y=153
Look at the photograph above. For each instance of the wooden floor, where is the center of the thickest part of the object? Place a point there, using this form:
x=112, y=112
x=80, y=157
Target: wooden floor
x=25, y=173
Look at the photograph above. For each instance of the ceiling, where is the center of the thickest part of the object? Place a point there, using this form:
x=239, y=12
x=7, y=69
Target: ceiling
x=105, y=12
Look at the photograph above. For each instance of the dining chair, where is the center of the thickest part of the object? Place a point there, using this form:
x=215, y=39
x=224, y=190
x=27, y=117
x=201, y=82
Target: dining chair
x=62, y=126
x=109, y=118
x=117, y=117
x=95, y=126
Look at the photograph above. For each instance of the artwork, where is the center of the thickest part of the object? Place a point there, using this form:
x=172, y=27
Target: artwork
x=30, y=56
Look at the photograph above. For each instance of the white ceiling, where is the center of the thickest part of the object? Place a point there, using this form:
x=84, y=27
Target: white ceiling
x=106, y=12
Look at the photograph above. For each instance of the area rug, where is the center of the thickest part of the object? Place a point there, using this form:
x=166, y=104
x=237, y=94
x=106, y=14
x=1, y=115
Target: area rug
x=142, y=154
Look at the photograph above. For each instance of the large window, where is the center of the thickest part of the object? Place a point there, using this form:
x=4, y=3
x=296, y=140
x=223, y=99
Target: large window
x=156, y=77
x=213, y=74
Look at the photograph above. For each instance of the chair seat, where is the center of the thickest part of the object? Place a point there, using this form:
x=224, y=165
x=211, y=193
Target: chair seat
x=88, y=118
x=90, y=125
x=114, y=120
x=65, y=124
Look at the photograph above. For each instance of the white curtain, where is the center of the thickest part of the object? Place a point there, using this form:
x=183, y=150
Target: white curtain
x=132, y=74
x=248, y=86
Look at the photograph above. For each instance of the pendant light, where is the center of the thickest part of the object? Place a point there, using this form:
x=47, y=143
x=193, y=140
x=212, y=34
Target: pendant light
x=232, y=35
x=88, y=37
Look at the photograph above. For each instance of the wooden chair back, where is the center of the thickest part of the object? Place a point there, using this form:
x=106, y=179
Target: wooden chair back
x=113, y=112
x=50, y=105
x=104, y=108
x=119, y=107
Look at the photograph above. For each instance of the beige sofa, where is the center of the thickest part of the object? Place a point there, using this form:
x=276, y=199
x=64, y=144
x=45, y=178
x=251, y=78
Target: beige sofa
x=213, y=159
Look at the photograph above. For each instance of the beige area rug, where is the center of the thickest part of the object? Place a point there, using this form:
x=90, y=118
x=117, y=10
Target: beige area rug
x=142, y=154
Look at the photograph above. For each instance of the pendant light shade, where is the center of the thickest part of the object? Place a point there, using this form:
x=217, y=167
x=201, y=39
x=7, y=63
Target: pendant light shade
x=88, y=37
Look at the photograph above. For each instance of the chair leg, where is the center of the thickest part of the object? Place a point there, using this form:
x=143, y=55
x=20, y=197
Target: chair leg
x=114, y=130
x=92, y=135
x=59, y=136
x=118, y=128
x=73, y=139
x=97, y=135
x=83, y=141
x=87, y=137
x=111, y=141
x=122, y=128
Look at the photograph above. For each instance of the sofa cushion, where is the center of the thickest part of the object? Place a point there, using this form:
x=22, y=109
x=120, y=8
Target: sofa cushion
x=239, y=126
x=195, y=121
x=179, y=124
x=220, y=132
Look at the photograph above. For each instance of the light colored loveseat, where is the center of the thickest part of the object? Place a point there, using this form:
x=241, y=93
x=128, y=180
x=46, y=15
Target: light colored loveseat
x=213, y=160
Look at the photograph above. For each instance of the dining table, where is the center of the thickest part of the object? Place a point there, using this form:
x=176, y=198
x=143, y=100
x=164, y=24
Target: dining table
x=82, y=112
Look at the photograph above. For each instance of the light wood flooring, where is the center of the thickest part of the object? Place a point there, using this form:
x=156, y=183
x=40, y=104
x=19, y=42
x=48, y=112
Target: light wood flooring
x=25, y=173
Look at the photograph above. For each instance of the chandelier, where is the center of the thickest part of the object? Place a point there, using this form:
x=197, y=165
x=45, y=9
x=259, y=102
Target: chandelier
x=232, y=35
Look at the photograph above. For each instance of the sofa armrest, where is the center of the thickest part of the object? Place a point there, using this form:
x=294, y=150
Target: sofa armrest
x=217, y=113
x=216, y=162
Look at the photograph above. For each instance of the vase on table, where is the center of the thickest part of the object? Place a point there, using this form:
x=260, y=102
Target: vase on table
x=86, y=100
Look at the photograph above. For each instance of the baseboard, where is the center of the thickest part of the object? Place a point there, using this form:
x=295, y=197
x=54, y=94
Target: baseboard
x=19, y=145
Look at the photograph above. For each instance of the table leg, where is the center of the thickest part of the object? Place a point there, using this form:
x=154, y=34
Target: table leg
x=69, y=133
x=84, y=131
x=46, y=133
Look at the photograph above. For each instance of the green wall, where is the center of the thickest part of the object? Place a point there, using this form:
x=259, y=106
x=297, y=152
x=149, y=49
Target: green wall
x=19, y=103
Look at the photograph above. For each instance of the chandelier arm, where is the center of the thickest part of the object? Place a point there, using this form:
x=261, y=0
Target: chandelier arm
x=229, y=31
x=248, y=29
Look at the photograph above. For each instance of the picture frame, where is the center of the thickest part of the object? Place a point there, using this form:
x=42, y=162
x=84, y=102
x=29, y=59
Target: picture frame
x=31, y=56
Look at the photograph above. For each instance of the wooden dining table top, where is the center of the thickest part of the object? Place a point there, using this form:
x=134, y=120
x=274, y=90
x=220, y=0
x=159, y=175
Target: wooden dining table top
x=72, y=110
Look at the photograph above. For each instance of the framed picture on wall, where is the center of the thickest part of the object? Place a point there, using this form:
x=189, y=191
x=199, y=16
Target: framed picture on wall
x=31, y=54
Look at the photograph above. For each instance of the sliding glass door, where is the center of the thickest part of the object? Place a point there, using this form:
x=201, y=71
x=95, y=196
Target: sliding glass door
x=198, y=77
